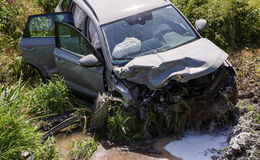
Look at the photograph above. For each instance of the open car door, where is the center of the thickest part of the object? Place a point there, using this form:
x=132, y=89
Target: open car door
x=38, y=43
x=78, y=62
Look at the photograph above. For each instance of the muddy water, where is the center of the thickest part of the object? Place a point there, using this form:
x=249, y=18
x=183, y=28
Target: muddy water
x=117, y=154
x=63, y=142
x=191, y=146
x=160, y=145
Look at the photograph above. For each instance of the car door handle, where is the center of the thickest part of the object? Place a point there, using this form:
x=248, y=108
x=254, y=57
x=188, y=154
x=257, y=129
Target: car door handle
x=29, y=49
x=59, y=60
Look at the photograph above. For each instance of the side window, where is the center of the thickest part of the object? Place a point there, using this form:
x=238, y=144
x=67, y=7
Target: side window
x=79, y=16
x=65, y=5
x=70, y=39
x=92, y=34
x=43, y=25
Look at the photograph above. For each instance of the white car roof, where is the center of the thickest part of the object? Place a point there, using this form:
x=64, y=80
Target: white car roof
x=112, y=10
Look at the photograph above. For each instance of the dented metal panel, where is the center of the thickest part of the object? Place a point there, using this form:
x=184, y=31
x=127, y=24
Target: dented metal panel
x=182, y=64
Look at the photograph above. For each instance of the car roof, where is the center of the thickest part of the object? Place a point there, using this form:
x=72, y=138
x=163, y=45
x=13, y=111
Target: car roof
x=112, y=10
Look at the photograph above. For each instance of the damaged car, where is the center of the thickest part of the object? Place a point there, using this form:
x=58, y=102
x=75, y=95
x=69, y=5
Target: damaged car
x=140, y=52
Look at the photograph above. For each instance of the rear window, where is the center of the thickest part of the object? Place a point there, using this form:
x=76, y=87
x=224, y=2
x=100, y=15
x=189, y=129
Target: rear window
x=42, y=25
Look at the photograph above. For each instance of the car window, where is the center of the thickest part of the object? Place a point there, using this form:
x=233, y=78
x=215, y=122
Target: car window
x=65, y=5
x=79, y=17
x=92, y=34
x=70, y=39
x=43, y=25
x=146, y=33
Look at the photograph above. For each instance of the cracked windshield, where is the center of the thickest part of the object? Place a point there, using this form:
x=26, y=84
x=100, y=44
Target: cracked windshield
x=147, y=33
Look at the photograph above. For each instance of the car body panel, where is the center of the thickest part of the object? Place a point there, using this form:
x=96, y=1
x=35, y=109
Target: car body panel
x=71, y=47
x=187, y=62
x=112, y=10
x=39, y=53
x=86, y=80
x=38, y=50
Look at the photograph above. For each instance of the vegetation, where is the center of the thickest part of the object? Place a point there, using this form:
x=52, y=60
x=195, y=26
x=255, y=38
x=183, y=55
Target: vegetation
x=17, y=133
x=48, y=5
x=46, y=99
x=13, y=18
x=83, y=149
x=13, y=69
x=231, y=23
x=47, y=151
x=119, y=122
x=125, y=124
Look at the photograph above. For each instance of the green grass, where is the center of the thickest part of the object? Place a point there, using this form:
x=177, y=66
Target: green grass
x=17, y=133
x=118, y=125
x=126, y=125
x=47, y=99
x=83, y=149
x=47, y=151
x=13, y=69
x=232, y=24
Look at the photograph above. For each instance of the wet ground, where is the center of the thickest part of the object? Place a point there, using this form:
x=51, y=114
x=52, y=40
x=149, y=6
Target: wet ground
x=63, y=142
x=193, y=145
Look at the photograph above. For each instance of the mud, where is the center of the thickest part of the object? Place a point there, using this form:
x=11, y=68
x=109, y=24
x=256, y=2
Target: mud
x=119, y=154
x=63, y=142
x=106, y=152
x=161, y=143
x=245, y=139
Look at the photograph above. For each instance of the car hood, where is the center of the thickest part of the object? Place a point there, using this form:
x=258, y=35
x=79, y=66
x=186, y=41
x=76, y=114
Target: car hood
x=182, y=64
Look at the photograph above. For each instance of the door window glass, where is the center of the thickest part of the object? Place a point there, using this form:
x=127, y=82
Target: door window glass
x=43, y=25
x=79, y=16
x=70, y=39
x=93, y=35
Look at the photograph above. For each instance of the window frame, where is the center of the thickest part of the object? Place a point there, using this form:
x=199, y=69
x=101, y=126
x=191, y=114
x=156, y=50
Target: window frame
x=27, y=33
x=58, y=43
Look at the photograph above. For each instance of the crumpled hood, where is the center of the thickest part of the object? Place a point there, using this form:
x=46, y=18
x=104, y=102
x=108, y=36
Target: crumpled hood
x=182, y=64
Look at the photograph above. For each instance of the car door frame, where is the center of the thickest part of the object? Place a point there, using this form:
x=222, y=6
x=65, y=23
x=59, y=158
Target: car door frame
x=30, y=46
x=66, y=55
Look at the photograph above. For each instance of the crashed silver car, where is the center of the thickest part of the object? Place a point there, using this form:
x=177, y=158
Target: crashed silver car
x=139, y=51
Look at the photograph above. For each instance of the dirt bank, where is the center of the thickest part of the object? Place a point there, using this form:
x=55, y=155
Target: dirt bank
x=245, y=139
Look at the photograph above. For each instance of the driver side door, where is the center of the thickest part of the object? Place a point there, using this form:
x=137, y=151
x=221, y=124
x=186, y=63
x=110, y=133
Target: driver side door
x=71, y=47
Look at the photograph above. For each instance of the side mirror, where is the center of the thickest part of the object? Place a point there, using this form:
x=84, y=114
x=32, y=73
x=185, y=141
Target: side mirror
x=89, y=61
x=200, y=24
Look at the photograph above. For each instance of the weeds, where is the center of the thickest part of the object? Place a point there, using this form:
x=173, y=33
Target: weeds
x=13, y=18
x=47, y=151
x=46, y=99
x=83, y=149
x=125, y=124
x=13, y=69
x=118, y=125
x=48, y=5
x=16, y=133
x=231, y=23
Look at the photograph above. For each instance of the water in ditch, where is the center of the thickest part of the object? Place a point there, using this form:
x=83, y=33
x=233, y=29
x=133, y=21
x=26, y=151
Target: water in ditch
x=193, y=146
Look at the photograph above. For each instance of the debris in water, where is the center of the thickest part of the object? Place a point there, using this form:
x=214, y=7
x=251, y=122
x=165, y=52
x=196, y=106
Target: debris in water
x=197, y=146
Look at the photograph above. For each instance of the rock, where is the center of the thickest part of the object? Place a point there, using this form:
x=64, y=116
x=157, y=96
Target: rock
x=25, y=154
x=245, y=142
